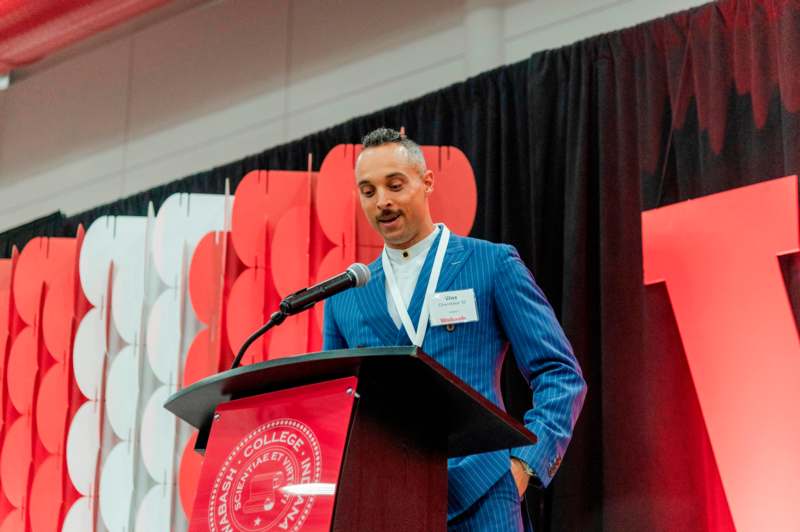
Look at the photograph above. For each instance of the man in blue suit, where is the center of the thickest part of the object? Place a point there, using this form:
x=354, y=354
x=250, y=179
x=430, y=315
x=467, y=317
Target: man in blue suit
x=462, y=301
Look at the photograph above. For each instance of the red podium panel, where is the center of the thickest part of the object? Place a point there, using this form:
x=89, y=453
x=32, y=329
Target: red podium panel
x=273, y=460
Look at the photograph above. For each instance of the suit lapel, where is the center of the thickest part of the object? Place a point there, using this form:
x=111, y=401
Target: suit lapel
x=415, y=306
x=372, y=301
x=372, y=297
x=454, y=259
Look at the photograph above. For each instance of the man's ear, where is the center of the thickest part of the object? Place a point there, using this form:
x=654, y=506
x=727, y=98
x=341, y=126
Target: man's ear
x=427, y=180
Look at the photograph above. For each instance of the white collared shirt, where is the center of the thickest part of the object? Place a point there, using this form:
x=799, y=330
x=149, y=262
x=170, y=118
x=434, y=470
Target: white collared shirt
x=407, y=265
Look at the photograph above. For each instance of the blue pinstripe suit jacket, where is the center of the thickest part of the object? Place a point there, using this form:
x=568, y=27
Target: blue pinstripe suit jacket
x=511, y=309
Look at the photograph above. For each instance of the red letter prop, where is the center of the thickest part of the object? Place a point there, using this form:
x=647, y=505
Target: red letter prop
x=719, y=258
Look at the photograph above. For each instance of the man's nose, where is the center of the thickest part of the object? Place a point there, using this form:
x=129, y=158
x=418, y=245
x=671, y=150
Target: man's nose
x=383, y=200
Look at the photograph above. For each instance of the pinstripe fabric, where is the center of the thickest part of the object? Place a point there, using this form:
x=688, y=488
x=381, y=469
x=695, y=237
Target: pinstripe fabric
x=511, y=308
x=498, y=510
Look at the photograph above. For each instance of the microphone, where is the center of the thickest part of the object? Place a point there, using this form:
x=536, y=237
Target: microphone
x=356, y=275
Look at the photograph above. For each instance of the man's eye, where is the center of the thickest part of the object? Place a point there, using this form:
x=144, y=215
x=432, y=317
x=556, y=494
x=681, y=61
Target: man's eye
x=366, y=192
x=395, y=186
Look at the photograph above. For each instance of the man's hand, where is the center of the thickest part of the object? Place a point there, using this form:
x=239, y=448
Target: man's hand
x=521, y=478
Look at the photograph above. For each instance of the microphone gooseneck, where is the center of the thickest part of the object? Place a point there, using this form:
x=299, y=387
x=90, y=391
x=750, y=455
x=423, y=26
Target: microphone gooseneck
x=276, y=319
x=356, y=275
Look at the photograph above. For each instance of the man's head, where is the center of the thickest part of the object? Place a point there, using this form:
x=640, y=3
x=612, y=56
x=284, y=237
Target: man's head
x=394, y=185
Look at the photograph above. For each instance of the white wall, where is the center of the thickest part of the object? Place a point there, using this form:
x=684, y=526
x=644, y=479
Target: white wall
x=234, y=77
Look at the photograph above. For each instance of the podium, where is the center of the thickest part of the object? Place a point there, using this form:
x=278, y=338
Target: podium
x=348, y=440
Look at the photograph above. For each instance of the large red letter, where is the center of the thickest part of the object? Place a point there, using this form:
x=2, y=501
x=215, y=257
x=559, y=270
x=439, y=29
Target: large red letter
x=719, y=258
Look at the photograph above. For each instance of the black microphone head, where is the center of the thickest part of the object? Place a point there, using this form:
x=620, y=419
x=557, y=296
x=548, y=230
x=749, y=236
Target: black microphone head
x=360, y=272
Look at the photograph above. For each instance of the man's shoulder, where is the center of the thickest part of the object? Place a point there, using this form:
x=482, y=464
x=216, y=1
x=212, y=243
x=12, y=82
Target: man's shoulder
x=484, y=246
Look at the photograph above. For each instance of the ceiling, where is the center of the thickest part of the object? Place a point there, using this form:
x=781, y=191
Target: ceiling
x=32, y=30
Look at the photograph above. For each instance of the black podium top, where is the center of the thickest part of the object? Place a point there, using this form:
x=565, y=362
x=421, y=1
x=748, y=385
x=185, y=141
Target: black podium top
x=474, y=424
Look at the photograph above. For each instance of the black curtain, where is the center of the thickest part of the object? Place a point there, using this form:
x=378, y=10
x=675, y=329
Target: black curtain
x=568, y=148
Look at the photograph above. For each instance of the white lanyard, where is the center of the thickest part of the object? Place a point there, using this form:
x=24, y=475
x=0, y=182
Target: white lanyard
x=417, y=336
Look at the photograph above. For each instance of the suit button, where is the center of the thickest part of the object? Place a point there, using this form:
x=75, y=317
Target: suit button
x=450, y=327
x=554, y=466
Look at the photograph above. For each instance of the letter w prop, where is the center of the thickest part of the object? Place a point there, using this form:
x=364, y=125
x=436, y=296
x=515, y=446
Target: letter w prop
x=718, y=256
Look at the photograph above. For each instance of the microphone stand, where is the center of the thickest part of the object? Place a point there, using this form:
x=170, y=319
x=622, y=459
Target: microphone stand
x=291, y=306
x=276, y=319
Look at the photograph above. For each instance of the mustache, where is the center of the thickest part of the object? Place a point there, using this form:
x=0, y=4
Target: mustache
x=388, y=214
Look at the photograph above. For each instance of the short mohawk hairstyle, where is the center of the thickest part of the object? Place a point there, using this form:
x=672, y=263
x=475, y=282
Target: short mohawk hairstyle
x=385, y=135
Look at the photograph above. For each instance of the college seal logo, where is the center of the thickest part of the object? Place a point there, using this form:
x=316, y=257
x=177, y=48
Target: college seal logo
x=249, y=492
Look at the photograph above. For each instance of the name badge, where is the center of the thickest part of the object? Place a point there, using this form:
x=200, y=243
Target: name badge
x=449, y=308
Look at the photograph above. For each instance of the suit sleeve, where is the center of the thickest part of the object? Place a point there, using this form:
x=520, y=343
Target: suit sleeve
x=332, y=337
x=544, y=356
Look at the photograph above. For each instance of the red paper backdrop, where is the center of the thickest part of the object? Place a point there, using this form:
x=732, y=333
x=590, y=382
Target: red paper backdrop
x=289, y=230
